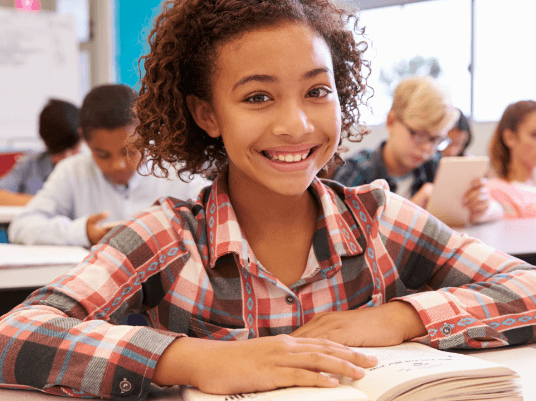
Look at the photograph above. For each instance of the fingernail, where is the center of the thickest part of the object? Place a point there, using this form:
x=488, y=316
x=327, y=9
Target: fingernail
x=372, y=358
x=333, y=380
x=359, y=373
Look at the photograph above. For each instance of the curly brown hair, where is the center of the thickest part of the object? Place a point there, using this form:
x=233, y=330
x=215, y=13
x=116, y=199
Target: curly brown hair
x=512, y=117
x=184, y=44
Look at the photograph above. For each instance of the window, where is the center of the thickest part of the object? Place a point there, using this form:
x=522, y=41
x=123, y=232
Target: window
x=431, y=37
x=505, y=56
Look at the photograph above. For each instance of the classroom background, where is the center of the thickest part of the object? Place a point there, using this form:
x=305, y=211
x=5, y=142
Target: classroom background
x=479, y=49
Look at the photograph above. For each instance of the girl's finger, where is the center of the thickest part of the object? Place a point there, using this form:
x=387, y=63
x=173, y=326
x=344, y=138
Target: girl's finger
x=290, y=377
x=330, y=352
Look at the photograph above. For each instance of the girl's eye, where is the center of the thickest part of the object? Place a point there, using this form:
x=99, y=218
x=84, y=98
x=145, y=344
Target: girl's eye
x=257, y=98
x=319, y=92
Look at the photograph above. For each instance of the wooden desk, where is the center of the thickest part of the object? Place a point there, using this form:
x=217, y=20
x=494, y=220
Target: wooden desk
x=521, y=359
x=515, y=237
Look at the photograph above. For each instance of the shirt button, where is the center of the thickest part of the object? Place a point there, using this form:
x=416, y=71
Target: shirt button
x=289, y=299
x=446, y=329
x=125, y=386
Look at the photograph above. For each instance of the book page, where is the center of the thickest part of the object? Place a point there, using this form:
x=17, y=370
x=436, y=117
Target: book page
x=408, y=365
x=406, y=372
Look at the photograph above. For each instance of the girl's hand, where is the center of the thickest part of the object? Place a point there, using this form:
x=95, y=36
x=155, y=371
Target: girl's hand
x=388, y=324
x=477, y=199
x=423, y=195
x=261, y=364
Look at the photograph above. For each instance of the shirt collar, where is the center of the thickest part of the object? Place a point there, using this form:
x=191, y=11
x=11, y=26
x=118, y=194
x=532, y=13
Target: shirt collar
x=337, y=233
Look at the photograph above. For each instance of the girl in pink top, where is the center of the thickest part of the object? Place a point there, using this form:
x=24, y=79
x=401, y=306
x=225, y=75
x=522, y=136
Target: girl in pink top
x=513, y=156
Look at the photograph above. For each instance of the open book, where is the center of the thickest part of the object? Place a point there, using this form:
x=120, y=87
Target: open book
x=406, y=372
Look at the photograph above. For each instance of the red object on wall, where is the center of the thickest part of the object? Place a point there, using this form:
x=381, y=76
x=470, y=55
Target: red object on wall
x=8, y=160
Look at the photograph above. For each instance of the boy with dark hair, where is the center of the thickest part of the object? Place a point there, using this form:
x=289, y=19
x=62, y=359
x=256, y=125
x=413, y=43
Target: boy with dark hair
x=58, y=128
x=88, y=189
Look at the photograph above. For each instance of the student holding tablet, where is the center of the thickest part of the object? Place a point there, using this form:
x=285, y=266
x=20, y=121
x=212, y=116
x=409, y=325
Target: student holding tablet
x=513, y=156
x=420, y=118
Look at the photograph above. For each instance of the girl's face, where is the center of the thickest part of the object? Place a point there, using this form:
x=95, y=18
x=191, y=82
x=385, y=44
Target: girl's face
x=522, y=143
x=276, y=107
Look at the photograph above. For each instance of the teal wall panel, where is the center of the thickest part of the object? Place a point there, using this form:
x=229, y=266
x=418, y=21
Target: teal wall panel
x=133, y=22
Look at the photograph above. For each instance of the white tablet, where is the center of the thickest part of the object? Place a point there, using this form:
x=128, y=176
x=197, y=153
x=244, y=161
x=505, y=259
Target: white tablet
x=452, y=181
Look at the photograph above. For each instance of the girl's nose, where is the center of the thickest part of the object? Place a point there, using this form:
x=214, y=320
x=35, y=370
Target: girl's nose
x=293, y=120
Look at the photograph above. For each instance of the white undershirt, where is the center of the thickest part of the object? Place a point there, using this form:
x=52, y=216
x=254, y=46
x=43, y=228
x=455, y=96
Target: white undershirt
x=404, y=185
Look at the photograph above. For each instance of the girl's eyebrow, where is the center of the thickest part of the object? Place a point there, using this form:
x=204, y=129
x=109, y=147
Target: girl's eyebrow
x=256, y=78
x=271, y=78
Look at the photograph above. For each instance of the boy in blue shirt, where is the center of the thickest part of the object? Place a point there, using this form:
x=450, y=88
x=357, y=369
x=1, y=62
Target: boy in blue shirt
x=59, y=130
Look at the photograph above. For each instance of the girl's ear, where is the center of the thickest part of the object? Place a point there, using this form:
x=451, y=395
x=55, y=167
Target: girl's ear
x=509, y=138
x=203, y=115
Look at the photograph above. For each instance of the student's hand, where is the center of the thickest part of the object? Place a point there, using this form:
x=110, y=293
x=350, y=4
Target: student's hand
x=423, y=195
x=388, y=324
x=260, y=364
x=95, y=231
x=477, y=199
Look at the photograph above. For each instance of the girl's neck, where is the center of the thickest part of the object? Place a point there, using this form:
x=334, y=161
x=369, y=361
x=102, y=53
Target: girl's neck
x=258, y=208
x=521, y=173
x=392, y=165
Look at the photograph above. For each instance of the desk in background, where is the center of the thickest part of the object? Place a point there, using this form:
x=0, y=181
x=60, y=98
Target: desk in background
x=24, y=268
x=521, y=359
x=8, y=213
x=516, y=237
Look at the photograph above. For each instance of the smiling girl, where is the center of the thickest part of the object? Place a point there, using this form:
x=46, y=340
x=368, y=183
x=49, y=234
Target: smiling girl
x=295, y=268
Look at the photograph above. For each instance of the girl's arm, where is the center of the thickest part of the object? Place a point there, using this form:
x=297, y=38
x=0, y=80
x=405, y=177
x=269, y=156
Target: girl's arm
x=465, y=293
x=66, y=339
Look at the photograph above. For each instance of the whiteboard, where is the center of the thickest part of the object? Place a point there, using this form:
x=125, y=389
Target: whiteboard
x=38, y=61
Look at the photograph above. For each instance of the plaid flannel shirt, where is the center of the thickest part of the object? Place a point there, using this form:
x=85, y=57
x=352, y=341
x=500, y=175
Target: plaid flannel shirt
x=189, y=269
x=366, y=166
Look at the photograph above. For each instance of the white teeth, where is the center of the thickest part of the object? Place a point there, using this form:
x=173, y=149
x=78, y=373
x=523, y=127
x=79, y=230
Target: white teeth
x=290, y=158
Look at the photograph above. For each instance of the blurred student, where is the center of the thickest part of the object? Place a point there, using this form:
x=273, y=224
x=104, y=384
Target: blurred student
x=59, y=130
x=86, y=190
x=460, y=137
x=513, y=157
x=420, y=118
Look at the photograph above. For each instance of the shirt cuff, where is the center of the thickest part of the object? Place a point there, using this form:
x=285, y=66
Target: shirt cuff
x=135, y=368
x=448, y=324
x=77, y=232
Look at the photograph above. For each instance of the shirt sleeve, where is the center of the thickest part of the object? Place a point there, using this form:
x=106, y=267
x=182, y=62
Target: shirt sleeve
x=67, y=338
x=467, y=294
x=49, y=216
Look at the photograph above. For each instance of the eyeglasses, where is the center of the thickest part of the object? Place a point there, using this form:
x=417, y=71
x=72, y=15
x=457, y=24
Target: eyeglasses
x=438, y=142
